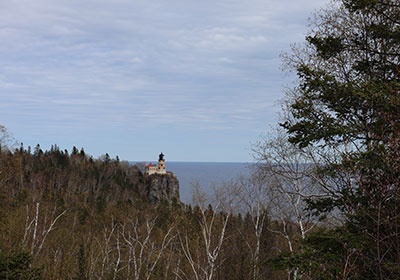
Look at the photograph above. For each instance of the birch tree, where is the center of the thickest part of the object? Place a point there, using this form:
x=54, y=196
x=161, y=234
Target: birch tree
x=132, y=248
x=204, y=261
x=291, y=180
x=144, y=250
x=252, y=198
x=39, y=224
x=6, y=140
x=248, y=195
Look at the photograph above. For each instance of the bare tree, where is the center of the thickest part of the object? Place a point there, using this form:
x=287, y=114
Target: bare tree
x=247, y=194
x=144, y=251
x=292, y=178
x=6, y=140
x=106, y=248
x=38, y=225
x=132, y=248
x=203, y=262
x=252, y=198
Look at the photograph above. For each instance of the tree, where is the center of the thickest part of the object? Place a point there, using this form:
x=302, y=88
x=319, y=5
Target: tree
x=81, y=275
x=6, y=140
x=253, y=195
x=144, y=251
x=348, y=98
x=39, y=226
x=18, y=265
x=348, y=74
x=203, y=258
x=290, y=178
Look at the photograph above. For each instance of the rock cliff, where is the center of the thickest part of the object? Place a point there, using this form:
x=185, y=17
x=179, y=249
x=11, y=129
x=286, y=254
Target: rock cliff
x=160, y=187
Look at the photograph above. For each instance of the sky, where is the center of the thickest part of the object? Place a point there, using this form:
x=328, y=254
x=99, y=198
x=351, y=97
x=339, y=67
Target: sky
x=196, y=80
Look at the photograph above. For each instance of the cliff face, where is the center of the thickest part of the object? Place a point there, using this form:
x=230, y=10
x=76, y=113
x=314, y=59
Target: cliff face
x=160, y=187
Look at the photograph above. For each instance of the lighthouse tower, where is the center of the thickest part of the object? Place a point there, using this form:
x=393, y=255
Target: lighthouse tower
x=161, y=165
x=159, y=169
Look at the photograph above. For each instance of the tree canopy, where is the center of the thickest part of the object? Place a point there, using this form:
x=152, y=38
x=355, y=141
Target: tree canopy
x=348, y=73
x=347, y=97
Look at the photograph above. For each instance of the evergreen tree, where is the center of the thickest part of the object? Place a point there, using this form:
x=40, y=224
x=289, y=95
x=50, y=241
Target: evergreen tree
x=348, y=98
x=18, y=265
x=81, y=275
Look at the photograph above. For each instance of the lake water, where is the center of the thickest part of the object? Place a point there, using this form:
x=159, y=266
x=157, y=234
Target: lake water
x=206, y=174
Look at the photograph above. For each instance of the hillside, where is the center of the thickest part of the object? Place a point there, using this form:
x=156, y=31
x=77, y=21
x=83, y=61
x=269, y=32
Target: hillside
x=68, y=216
x=67, y=175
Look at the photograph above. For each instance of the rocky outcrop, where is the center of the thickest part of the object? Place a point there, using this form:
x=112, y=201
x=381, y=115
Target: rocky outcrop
x=160, y=187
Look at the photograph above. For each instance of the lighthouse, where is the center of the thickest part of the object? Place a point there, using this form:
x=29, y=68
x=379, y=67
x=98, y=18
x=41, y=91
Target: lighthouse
x=161, y=164
x=159, y=169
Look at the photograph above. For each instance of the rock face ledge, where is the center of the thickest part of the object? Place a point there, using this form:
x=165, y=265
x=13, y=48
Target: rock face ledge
x=159, y=187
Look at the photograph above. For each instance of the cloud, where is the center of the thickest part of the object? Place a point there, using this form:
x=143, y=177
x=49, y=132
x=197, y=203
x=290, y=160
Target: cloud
x=201, y=64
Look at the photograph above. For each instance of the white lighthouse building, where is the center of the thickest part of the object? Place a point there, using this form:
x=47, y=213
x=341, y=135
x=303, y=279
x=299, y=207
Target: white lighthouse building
x=159, y=169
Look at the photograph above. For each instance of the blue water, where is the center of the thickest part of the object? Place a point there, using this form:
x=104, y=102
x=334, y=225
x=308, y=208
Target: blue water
x=207, y=174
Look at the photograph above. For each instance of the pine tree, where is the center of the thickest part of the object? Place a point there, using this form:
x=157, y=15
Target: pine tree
x=17, y=265
x=348, y=98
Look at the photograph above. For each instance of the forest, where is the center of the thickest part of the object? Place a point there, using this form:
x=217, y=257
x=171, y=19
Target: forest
x=323, y=201
x=69, y=216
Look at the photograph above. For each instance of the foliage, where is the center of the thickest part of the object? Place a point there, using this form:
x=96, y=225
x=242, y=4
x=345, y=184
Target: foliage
x=348, y=98
x=348, y=74
x=16, y=265
x=58, y=172
x=83, y=218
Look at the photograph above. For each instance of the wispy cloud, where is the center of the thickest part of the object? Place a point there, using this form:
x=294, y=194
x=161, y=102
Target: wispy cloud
x=130, y=65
